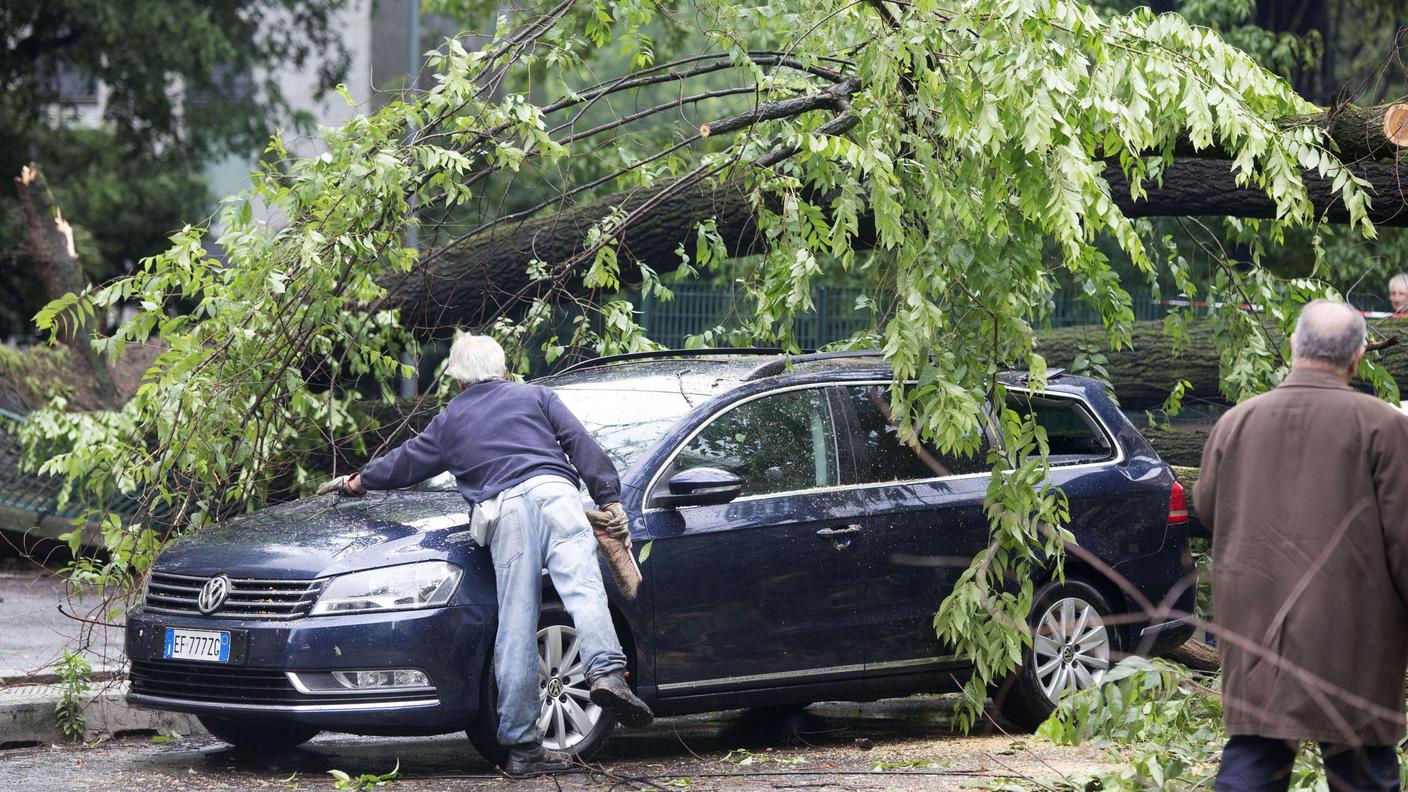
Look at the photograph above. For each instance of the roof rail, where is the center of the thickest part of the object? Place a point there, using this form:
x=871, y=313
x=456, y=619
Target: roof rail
x=662, y=354
x=774, y=367
x=1026, y=376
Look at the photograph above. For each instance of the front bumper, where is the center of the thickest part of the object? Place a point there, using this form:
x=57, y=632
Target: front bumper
x=281, y=670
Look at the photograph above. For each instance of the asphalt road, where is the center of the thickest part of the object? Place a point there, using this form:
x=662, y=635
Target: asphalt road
x=896, y=744
x=34, y=632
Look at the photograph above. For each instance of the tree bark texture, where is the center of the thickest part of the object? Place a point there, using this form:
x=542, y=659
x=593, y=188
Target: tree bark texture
x=475, y=279
x=1196, y=655
x=1207, y=187
x=1177, y=445
x=1363, y=133
x=50, y=242
x=1144, y=374
x=472, y=280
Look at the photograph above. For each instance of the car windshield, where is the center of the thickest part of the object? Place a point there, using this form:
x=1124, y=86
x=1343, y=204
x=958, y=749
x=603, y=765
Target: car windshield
x=626, y=414
x=626, y=421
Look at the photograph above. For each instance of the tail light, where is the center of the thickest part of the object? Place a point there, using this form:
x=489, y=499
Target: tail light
x=1177, y=505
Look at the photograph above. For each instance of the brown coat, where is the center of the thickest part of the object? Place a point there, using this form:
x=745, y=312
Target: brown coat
x=1305, y=489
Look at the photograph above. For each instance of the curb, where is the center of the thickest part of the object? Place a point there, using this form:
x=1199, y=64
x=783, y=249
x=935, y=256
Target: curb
x=49, y=679
x=27, y=716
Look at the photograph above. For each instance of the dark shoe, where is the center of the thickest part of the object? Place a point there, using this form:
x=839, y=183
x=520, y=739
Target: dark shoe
x=612, y=693
x=530, y=760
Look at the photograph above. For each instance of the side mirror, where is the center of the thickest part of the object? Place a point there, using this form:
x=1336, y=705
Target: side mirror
x=701, y=486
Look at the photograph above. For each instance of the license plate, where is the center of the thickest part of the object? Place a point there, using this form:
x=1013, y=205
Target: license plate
x=211, y=646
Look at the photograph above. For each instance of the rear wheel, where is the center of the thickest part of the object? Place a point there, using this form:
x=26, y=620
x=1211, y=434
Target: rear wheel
x=258, y=736
x=1072, y=647
x=567, y=717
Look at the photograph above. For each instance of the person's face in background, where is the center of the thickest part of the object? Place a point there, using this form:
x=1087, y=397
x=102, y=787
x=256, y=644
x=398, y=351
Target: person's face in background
x=1398, y=297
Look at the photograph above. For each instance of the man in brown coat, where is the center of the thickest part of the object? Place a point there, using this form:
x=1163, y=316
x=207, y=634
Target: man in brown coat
x=1305, y=490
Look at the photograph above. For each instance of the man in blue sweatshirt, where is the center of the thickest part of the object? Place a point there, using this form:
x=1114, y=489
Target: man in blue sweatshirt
x=517, y=452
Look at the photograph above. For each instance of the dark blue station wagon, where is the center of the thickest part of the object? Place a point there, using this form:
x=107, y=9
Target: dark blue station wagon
x=800, y=550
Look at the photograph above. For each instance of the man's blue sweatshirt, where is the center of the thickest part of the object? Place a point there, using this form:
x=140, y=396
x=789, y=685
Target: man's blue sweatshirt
x=497, y=434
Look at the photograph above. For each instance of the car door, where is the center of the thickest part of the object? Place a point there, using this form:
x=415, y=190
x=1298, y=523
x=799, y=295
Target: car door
x=767, y=589
x=924, y=523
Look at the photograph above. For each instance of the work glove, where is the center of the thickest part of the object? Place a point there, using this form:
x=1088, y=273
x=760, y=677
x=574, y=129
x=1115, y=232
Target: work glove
x=345, y=486
x=613, y=537
x=612, y=521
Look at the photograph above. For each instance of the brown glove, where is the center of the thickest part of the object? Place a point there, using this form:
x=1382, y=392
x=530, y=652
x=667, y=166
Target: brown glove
x=613, y=538
x=348, y=486
x=612, y=520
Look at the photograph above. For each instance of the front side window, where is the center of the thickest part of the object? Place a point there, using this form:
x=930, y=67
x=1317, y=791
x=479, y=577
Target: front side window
x=1072, y=435
x=884, y=456
x=778, y=443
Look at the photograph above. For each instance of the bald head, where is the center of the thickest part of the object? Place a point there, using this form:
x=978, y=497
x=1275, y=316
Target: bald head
x=1329, y=335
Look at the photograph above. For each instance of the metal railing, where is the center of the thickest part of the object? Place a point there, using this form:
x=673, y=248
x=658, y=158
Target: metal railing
x=26, y=491
x=37, y=494
x=696, y=308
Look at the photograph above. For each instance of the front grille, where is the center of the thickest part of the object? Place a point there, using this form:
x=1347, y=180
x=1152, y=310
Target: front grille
x=222, y=684
x=248, y=599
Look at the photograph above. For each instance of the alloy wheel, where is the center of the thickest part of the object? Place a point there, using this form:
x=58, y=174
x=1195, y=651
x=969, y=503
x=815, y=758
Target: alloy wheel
x=1071, y=647
x=568, y=713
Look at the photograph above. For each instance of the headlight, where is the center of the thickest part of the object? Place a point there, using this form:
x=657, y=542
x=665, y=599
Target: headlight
x=424, y=585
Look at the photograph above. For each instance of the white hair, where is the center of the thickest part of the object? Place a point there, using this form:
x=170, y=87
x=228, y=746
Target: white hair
x=476, y=359
x=1401, y=279
x=1329, y=331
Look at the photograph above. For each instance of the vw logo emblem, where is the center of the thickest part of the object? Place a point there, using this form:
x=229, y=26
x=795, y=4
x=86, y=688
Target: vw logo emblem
x=213, y=593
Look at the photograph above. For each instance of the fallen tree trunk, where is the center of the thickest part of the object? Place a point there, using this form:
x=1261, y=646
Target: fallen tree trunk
x=1177, y=445
x=1144, y=374
x=478, y=278
x=1207, y=187
x=475, y=279
x=1196, y=655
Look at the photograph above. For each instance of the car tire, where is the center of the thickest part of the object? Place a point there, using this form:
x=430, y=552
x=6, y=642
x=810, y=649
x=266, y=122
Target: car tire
x=258, y=736
x=586, y=731
x=1073, y=644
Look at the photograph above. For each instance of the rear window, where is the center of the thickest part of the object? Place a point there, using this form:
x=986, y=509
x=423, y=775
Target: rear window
x=1073, y=435
x=882, y=456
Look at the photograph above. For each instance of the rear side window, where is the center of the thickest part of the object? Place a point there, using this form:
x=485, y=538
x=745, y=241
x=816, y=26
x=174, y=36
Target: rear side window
x=778, y=443
x=1072, y=434
x=882, y=456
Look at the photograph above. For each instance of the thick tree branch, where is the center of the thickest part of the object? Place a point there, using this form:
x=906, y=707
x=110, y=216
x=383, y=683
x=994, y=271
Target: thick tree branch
x=484, y=275
x=50, y=241
x=1201, y=187
x=786, y=108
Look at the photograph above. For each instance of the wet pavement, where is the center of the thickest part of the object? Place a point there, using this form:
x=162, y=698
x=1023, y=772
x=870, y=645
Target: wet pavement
x=894, y=744
x=34, y=630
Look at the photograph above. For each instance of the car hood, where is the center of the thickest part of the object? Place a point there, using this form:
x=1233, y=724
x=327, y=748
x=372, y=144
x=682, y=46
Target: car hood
x=328, y=535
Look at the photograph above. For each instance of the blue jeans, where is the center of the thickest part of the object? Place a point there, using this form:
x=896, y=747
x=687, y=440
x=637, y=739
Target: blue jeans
x=1262, y=764
x=541, y=523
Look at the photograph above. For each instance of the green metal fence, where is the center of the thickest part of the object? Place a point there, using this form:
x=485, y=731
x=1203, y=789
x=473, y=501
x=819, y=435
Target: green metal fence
x=26, y=491
x=1069, y=310
x=27, y=499
x=696, y=308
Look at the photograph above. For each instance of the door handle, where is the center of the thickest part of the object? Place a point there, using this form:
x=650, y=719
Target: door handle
x=832, y=533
